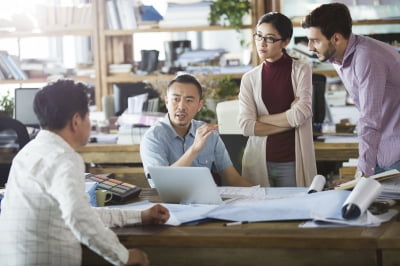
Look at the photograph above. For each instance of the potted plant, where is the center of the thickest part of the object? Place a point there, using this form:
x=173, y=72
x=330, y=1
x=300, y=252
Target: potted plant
x=216, y=90
x=6, y=105
x=228, y=89
x=229, y=13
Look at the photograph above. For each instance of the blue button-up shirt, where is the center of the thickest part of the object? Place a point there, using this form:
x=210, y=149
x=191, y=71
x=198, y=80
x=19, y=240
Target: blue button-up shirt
x=370, y=73
x=162, y=146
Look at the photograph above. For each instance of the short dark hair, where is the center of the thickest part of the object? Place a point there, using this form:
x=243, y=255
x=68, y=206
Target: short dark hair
x=280, y=22
x=330, y=19
x=187, y=78
x=57, y=102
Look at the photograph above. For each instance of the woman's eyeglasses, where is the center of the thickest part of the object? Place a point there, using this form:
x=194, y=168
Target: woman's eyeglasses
x=267, y=39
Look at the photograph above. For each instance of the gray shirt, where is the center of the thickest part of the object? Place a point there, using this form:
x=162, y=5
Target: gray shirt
x=162, y=146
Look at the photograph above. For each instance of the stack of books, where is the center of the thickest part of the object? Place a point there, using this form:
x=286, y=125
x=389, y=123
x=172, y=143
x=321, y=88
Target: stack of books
x=133, y=126
x=71, y=17
x=182, y=15
x=130, y=14
x=115, y=69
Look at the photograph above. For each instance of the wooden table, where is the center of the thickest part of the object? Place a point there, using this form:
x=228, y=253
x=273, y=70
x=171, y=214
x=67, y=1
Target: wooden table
x=122, y=160
x=268, y=243
x=108, y=158
x=101, y=153
x=335, y=151
x=110, y=153
x=115, y=153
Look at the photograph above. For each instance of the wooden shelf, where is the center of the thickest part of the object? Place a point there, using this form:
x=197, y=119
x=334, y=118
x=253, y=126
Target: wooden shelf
x=50, y=33
x=169, y=29
x=297, y=22
x=376, y=22
x=136, y=78
x=45, y=80
x=331, y=73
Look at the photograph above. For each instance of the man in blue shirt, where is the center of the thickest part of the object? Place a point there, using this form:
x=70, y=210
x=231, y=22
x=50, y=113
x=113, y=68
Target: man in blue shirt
x=179, y=140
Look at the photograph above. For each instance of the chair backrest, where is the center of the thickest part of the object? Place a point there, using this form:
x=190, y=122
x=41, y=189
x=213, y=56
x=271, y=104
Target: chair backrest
x=230, y=132
x=227, y=116
x=318, y=101
x=7, y=123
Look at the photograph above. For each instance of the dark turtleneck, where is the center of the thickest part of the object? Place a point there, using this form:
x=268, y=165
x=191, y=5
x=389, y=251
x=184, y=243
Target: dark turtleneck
x=277, y=94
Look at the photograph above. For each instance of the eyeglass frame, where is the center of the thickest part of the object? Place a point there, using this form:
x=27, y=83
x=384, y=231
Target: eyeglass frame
x=267, y=39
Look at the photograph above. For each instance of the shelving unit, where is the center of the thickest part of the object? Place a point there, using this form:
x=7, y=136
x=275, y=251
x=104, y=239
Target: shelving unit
x=72, y=30
x=18, y=36
x=112, y=42
x=107, y=45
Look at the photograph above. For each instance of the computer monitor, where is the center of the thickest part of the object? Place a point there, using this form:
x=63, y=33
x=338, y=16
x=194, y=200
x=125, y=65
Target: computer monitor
x=122, y=91
x=23, y=106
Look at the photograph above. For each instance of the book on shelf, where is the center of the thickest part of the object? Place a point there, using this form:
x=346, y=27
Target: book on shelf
x=10, y=67
x=113, y=20
x=2, y=77
x=5, y=69
x=148, y=17
x=126, y=12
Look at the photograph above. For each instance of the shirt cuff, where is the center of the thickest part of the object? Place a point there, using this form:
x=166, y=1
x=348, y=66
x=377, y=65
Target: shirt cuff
x=133, y=217
x=358, y=175
x=123, y=254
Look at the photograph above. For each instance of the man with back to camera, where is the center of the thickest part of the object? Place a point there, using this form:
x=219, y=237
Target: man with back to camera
x=369, y=71
x=179, y=140
x=45, y=214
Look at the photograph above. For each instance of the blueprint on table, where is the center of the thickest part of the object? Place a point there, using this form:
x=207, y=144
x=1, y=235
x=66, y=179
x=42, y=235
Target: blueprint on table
x=302, y=207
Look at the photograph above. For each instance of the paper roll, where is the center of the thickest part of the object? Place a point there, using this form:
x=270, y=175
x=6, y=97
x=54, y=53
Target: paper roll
x=363, y=194
x=317, y=184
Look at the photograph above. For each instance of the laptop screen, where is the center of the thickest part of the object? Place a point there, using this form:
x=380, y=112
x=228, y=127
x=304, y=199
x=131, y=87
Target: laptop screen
x=185, y=185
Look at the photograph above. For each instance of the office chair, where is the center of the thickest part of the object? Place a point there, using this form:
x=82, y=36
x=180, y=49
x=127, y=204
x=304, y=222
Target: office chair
x=229, y=131
x=318, y=100
x=7, y=123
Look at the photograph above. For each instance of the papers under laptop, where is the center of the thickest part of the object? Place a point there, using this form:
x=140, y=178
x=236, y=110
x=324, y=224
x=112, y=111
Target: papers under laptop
x=187, y=185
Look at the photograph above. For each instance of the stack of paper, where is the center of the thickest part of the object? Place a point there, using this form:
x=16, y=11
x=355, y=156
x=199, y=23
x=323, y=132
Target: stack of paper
x=181, y=15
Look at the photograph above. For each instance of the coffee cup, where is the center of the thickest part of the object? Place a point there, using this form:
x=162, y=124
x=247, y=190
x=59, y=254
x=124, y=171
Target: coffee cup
x=102, y=197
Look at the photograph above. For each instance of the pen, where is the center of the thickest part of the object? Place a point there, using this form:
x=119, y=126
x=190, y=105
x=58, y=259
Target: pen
x=235, y=223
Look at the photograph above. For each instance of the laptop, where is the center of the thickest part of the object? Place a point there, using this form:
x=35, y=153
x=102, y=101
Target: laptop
x=185, y=185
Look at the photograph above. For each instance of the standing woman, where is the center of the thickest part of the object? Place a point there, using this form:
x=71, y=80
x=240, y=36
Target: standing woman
x=275, y=111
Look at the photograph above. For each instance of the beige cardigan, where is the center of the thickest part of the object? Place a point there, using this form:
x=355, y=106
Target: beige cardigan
x=299, y=116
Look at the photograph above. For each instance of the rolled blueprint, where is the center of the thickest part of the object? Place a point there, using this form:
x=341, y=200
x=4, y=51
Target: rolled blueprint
x=317, y=184
x=363, y=194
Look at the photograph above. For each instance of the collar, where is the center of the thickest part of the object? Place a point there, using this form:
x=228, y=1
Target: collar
x=191, y=131
x=350, y=49
x=48, y=135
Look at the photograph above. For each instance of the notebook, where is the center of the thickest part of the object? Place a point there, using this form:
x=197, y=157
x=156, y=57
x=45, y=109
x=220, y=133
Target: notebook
x=185, y=185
